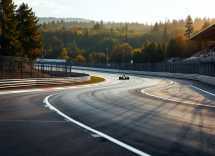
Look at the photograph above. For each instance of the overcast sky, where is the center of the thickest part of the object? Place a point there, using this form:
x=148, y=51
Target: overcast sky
x=140, y=11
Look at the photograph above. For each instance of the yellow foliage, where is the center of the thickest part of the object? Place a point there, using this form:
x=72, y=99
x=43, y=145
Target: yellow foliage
x=79, y=32
x=79, y=58
x=181, y=41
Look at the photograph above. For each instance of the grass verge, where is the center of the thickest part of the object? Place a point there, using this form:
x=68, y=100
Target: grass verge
x=93, y=79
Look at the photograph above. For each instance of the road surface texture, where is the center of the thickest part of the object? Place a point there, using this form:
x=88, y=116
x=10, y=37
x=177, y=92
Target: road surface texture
x=157, y=116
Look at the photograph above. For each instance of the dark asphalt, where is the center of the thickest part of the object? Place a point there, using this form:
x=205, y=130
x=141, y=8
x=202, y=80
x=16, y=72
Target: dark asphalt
x=120, y=110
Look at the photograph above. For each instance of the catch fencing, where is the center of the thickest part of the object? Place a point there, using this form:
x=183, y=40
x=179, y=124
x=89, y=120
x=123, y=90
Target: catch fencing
x=204, y=66
x=22, y=68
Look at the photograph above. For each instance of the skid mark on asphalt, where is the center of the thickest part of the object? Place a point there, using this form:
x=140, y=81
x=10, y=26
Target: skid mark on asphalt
x=181, y=101
x=126, y=146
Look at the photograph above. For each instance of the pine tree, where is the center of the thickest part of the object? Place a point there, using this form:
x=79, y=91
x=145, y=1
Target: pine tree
x=155, y=28
x=63, y=28
x=205, y=25
x=90, y=58
x=29, y=37
x=10, y=45
x=165, y=35
x=126, y=27
x=44, y=26
x=189, y=26
x=102, y=24
x=87, y=33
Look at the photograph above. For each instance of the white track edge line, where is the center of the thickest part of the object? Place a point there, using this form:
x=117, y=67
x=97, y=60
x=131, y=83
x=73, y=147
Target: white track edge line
x=202, y=90
x=132, y=149
x=177, y=100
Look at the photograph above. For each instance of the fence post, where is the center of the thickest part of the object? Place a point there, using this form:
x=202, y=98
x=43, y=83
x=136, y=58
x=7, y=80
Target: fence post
x=70, y=70
x=51, y=70
x=31, y=68
x=12, y=68
x=66, y=69
x=21, y=69
x=3, y=68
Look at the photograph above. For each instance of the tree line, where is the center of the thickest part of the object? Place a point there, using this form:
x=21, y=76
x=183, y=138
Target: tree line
x=156, y=45
x=20, y=34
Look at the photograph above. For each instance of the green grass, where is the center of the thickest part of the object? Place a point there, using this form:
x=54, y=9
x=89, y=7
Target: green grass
x=94, y=80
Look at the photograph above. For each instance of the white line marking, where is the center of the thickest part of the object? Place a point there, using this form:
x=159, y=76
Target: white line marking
x=202, y=90
x=96, y=135
x=93, y=130
x=171, y=82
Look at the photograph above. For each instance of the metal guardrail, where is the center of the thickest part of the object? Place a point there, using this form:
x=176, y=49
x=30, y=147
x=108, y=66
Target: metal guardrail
x=163, y=74
x=11, y=83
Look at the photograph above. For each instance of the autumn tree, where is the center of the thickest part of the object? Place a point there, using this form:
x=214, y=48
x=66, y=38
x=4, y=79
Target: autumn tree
x=177, y=46
x=117, y=53
x=189, y=26
x=90, y=58
x=29, y=35
x=80, y=58
x=63, y=54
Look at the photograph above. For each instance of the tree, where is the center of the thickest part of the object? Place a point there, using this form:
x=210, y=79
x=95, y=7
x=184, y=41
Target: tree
x=189, y=26
x=10, y=45
x=137, y=45
x=205, y=25
x=171, y=48
x=45, y=26
x=181, y=42
x=29, y=36
x=160, y=56
x=63, y=28
x=126, y=27
x=80, y=58
x=155, y=28
x=117, y=53
x=136, y=55
x=90, y=58
x=101, y=57
x=106, y=43
x=165, y=35
x=63, y=54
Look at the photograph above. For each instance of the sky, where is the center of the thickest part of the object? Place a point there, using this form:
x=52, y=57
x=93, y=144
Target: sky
x=140, y=11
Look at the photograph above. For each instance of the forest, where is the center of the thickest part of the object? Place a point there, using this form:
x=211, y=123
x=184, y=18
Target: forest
x=21, y=35
x=140, y=42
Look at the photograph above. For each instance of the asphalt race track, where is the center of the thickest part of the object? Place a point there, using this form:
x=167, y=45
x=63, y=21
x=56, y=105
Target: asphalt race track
x=152, y=115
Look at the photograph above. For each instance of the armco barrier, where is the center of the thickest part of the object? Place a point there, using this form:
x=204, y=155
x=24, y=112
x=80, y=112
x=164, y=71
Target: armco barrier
x=96, y=69
x=202, y=78
x=10, y=83
x=208, y=80
x=162, y=74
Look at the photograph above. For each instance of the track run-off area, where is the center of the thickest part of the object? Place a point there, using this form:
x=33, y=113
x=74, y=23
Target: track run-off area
x=141, y=116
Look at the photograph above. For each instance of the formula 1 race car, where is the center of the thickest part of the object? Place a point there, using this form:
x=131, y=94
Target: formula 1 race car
x=123, y=77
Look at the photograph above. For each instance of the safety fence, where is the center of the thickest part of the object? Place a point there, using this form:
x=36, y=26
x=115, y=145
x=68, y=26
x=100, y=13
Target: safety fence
x=22, y=68
x=199, y=66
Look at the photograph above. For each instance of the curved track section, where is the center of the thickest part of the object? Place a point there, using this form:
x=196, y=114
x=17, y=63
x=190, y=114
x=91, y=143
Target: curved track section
x=154, y=115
